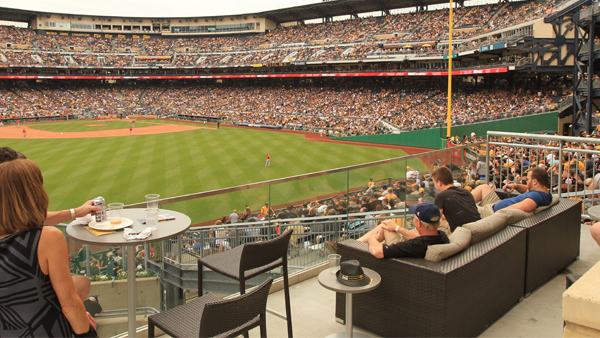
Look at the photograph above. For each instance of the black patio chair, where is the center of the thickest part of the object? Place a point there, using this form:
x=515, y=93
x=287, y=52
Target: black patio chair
x=250, y=260
x=210, y=315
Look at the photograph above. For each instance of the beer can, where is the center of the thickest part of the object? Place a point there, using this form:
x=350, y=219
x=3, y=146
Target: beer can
x=100, y=214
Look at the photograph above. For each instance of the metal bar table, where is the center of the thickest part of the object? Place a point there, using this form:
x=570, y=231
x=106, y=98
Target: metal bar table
x=166, y=230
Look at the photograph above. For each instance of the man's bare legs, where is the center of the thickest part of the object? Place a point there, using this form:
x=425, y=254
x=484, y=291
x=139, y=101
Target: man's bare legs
x=383, y=234
x=480, y=192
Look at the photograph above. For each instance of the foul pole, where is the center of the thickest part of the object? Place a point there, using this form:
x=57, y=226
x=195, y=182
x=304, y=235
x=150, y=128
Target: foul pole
x=449, y=119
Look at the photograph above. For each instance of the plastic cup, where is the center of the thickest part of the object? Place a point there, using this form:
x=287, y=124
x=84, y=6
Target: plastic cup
x=334, y=263
x=152, y=201
x=151, y=218
x=115, y=213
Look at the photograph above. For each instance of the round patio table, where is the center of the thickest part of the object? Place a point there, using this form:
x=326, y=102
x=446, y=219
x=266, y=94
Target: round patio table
x=166, y=230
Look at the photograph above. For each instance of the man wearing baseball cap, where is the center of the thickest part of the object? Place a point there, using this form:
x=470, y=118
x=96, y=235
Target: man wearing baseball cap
x=400, y=242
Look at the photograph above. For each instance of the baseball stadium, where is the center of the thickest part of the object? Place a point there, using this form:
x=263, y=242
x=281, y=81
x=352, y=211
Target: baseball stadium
x=291, y=171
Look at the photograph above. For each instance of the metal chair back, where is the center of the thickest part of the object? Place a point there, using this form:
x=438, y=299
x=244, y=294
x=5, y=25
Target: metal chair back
x=255, y=255
x=238, y=314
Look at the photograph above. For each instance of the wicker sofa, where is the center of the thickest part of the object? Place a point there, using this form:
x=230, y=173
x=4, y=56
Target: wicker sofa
x=464, y=294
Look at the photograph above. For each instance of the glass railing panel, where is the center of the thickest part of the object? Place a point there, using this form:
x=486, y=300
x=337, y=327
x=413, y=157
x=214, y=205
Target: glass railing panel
x=390, y=190
x=207, y=208
x=318, y=191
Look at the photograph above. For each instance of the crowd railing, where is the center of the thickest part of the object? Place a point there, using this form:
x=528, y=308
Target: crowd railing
x=572, y=168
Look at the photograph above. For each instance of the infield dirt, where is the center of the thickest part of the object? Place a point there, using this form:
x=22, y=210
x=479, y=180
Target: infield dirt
x=17, y=132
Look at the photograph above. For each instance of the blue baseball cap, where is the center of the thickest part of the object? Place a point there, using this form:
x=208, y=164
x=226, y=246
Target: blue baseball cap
x=426, y=212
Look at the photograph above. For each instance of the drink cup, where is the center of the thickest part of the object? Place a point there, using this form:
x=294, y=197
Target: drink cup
x=334, y=263
x=152, y=201
x=115, y=213
x=151, y=218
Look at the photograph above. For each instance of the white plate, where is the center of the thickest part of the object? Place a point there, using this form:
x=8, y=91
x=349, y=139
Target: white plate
x=125, y=222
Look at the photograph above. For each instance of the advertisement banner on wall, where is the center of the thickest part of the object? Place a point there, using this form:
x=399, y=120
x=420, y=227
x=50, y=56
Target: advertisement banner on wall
x=252, y=76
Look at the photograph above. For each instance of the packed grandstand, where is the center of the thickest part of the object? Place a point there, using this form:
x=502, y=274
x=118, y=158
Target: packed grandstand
x=352, y=39
x=340, y=107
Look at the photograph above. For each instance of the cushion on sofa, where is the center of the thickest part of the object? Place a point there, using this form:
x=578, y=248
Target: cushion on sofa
x=487, y=226
x=555, y=200
x=515, y=215
x=459, y=241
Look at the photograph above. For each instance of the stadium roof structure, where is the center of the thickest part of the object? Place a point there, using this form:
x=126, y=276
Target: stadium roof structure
x=340, y=7
x=298, y=13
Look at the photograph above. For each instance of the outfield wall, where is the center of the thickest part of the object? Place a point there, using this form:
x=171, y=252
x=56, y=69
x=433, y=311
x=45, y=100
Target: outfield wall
x=425, y=138
x=435, y=138
x=526, y=124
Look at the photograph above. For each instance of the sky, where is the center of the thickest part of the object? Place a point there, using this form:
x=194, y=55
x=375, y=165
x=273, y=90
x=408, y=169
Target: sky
x=154, y=8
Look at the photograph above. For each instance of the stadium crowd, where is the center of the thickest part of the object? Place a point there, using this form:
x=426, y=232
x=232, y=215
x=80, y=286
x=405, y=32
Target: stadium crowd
x=338, y=109
x=324, y=38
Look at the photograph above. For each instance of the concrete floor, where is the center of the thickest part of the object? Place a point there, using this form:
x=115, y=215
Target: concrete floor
x=539, y=315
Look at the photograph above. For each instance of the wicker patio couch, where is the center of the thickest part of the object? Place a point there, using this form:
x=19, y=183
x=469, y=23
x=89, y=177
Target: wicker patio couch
x=553, y=240
x=464, y=294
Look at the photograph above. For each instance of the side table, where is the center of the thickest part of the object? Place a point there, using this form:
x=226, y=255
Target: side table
x=330, y=282
x=594, y=212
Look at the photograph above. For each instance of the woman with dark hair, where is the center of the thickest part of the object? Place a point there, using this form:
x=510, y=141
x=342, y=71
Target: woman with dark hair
x=37, y=292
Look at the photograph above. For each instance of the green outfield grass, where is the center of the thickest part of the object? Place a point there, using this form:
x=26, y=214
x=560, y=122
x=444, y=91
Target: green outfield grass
x=124, y=169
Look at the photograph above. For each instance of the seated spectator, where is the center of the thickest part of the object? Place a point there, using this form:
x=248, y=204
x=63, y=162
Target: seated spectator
x=400, y=242
x=60, y=312
x=267, y=211
x=456, y=204
x=52, y=217
x=234, y=217
x=247, y=213
x=288, y=213
x=221, y=237
x=366, y=203
x=354, y=206
x=389, y=195
x=534, y=194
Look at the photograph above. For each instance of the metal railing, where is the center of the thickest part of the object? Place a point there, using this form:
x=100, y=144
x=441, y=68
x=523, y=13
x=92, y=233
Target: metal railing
x=307, y=245
x=572, y=169
x=142, y=310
